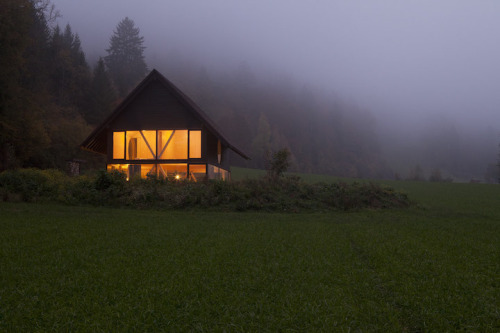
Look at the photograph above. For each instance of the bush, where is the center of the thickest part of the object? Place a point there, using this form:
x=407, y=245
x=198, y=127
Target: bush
x=31, y=184
x=286, y=194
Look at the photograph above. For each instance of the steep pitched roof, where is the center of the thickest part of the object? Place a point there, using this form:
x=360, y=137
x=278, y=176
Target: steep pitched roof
x=97, y=140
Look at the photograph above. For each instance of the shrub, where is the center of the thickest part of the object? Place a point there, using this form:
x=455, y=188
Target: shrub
x=112, y=189
x=31, y=184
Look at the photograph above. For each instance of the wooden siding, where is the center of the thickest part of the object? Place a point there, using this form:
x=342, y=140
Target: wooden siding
x=155, y=108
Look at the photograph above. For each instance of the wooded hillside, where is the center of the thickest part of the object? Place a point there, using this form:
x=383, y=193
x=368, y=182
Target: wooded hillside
x=51, y=99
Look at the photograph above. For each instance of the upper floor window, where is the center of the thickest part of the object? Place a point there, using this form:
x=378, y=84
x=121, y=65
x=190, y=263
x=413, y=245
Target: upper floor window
x=194, y=144
x=161, y=145
x=141, y=145
x=173, y=145
x=118, y=145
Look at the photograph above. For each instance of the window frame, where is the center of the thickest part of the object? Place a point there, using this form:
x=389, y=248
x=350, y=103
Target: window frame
x=156, y=146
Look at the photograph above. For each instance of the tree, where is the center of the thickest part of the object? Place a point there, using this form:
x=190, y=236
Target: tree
x=125, y=59
x=102, y=95
x=278, y=164
x=69, y=71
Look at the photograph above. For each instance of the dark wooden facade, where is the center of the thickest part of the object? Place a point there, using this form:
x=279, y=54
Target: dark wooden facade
x=157, y=105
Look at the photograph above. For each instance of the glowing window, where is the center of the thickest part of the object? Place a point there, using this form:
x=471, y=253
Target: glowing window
x=197, y=172
x=148, y=170
x=118, y=145
x=120, y=167
x=172, y=145
x=173, y=171
x=194, y=144
x=141, y=145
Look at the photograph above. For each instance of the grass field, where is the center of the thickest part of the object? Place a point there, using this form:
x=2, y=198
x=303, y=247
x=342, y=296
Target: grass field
x=433, y=267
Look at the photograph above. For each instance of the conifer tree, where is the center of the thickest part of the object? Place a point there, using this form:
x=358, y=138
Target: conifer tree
x=125, y=59
x=102, y=95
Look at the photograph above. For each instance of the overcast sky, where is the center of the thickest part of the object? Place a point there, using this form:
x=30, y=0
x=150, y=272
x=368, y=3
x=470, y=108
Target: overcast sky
x=407, y=58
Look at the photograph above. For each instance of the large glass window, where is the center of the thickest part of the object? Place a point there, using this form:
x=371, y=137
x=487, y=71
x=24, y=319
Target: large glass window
x=162, y=145
x=172, y=145
x=141, y=145
x=197, y=172
x=118, y=145
x=194, y=144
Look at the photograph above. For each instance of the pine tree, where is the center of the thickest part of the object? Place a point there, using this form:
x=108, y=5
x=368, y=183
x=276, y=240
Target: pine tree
x=70, y=75
x=102, y=95
x=125, y=59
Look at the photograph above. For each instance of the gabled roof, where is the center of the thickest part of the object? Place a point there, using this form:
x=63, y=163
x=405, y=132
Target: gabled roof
x=97, y=140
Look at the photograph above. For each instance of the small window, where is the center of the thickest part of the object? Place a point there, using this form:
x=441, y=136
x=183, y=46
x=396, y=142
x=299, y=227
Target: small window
x=118, y=145
x=194, y=144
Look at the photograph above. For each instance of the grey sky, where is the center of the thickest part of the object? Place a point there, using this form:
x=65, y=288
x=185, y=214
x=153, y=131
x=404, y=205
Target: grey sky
x=404, y=59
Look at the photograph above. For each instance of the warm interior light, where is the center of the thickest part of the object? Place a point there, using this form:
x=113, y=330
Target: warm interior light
x=172, y=145
x=177, y=177
x=118, y=145
x=141, y=145
x=194, y=144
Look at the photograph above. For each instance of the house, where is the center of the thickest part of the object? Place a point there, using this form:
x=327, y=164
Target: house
x=157, y=130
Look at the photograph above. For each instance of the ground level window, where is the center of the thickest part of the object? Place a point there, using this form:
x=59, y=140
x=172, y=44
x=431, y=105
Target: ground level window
x=197, y=172
x=172, y=171
x=193, y=172
x=119, y=167
x=135, y=170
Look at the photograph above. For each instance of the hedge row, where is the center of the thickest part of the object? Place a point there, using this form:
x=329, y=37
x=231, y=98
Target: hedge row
x=112, y=189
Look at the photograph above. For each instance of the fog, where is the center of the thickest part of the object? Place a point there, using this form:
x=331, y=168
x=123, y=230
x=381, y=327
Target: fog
x=410, y=63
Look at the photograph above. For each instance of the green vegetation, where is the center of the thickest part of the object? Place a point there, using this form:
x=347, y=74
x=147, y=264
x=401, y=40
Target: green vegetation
x=272, y=193
x=435, y=267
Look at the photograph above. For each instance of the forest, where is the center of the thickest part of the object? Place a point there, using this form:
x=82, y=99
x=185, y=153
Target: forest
x=52, y=97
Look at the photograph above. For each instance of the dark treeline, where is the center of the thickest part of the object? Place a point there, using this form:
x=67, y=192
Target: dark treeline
x=50, y=98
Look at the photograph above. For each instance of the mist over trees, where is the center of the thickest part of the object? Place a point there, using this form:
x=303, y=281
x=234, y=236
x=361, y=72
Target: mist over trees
x=51, y=99
x=125, y=59
x=262, y=113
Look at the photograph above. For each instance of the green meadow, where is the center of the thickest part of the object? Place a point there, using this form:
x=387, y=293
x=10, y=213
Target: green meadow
x=434, y=267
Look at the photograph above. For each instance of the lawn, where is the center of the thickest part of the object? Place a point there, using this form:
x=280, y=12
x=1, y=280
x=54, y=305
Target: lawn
x=433, y=267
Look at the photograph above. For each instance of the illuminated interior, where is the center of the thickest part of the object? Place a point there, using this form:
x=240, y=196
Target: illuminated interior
x=118, y=145
x=120, y=167
x=197, y=172
x=173, y=145
x=176, y=171
x=163, y=145
x=141, y=145
x=194, y=144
